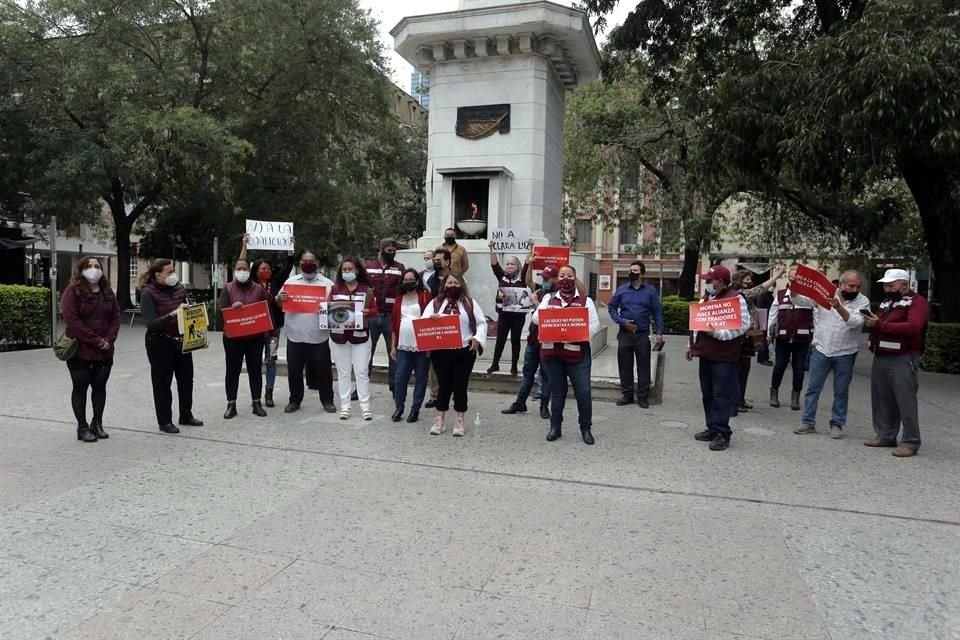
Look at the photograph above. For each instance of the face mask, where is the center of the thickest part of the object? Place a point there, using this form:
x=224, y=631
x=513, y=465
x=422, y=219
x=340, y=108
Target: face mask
x=171, y=280
x=387, y=257
x=892, y=296
x=453, y=292
x=450, y=240
x=849, y=295
x=241, y=276
x=407, y=287
x=547, y=286
x=265, y=274
x=308, y=267
x=349, y=276
x=92, y=275
x=437, y=265
x=634, y=276
x=428, y=265
x=712, y=290
x=567, y=285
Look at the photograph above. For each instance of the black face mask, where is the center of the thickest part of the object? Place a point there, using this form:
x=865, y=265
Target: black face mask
x=849, y=295
x=387, y=257
x=892, y=296
x=437, y=265
x=634, y=276
x=449, y=240
x=407, y=287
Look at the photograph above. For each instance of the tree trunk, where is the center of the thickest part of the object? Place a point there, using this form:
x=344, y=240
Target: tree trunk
x=940, y=216
x=686, y=285
x=121, y=230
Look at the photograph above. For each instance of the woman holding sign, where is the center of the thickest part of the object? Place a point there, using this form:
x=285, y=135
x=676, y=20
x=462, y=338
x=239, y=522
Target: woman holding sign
x=238, y=293
x=510, y=317
x=414, y=298
x=350, y=348
x=455, y=365
x=566, y=321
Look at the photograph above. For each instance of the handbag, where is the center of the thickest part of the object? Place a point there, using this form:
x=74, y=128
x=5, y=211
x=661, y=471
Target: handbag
x=65, y=347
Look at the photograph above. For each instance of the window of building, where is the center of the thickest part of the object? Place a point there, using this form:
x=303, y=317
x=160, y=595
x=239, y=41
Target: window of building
x=583, y=232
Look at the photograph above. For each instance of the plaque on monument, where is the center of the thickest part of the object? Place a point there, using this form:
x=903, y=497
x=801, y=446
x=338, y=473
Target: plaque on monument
x=474, y=123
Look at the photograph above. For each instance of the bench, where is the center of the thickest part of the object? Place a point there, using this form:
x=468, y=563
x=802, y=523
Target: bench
x=133, y=312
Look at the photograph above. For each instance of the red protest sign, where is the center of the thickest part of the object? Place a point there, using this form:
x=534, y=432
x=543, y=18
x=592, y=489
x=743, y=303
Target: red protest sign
x=247, y=321
x=721, y=315
x=550, y=256
x=440, y=333
x=564, y=324
x=814, y=285
x=304, y=298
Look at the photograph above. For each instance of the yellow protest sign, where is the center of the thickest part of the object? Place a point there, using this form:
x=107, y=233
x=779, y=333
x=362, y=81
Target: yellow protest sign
x=192, y=323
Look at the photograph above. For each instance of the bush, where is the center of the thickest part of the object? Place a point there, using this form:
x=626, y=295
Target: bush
x=676, y=315
x=942, y=353
x=24, y=315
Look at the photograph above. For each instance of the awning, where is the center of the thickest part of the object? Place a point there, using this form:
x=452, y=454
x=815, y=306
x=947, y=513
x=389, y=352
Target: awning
x=68, y=245
x=8, y=243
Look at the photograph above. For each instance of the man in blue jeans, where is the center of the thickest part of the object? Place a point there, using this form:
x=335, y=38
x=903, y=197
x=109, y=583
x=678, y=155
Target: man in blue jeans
x=836, y=342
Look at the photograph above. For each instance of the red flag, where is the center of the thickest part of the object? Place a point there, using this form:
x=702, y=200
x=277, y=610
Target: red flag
x=814, y=285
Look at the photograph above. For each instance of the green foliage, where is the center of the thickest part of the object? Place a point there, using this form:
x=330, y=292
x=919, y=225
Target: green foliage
x=942, y=353
x=676, y=315
x=24, y=315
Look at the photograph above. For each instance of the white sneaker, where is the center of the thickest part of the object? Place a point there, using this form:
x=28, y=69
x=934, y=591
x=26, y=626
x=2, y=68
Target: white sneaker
x=345, y=414
x=836, y=432
x=438, y=426
x=367, y=415
x=458, y=427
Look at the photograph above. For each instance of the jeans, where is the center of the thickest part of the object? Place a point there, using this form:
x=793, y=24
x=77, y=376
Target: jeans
x=820, y=368
x=720, y=386
x=634, y=348
x=531, y=365
x=512, y=324
x=271, y=361
x=298, y=354
x=795, y=354
x=93, y=375
x=234, y=352
x=454, y=367
x=557, y=371
x=167, y=362
x=380, y=325
x=417, y=363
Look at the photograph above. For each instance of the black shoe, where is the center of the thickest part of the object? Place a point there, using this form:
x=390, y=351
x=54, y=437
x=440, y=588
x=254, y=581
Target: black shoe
x=743, y=407
x=258, y=409
x=397, y=415
x=354, y=397
x=544, y=412
x=513, y=371
x=84, y=434
x=231, y=411
x=767, y=363
x=624, y=401
x=720, y=443
x=389, y=387
x=705, y=436
x=292, y=407
x=414, y=416
x=190, y=422
x=97, y=428
x=169, y=428
x=587, y=436
x=734, y=413
x=553, y=433
x=493, y=368
x=644, y=403
x=516, y=407
x=430, y=404
x=268, y=398
x=329, y=407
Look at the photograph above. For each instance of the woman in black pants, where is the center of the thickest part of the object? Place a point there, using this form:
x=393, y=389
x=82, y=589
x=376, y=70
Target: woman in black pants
x=238, y=293
x=92, y=315
x=162, y=295
x=454, y=366
x=508, y=322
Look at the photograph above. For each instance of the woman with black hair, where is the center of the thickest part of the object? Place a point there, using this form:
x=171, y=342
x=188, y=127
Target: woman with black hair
x=238, y=293
x=414, y=298
x=350, y=348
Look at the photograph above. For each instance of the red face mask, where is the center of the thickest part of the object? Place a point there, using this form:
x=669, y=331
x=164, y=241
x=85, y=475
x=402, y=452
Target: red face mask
x=264, y=273
x=567, y=285
x=454, y=292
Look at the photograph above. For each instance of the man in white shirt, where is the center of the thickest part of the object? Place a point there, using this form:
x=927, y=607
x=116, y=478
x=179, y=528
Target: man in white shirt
x=306, y=341
x=836, y=342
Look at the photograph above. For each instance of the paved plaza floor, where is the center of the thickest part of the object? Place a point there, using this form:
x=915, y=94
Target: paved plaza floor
x=303, y=526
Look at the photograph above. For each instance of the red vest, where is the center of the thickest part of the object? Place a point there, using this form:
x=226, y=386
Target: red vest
x=385, y=282
x=340, y=293
x=912, y=309
x=464, y=303
x=793, y=323
x=710, y=348
x=572, y=352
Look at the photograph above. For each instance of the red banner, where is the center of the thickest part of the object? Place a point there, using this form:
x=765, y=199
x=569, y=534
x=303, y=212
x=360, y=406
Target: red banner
x=716, y=315
x=441, y=333
x=564, y=324
x=247, y=321
x=814, y=285
x=304, y=298
x=550, y=256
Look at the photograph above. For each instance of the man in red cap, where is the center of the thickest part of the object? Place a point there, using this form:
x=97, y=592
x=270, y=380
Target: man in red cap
x=719, y=353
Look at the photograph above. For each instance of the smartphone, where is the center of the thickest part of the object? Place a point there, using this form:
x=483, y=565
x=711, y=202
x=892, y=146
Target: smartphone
x=867, y=312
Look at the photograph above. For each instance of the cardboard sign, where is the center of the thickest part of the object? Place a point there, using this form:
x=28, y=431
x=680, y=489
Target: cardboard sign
x=515, y=299
x=304, y=298
x=722, y=315
x=250, y=320
x=510, y=240
x=265, y=235
x=550, y=256
x=814, y=285
x=192, y=323
x=564, y=324
x=341, y=315
x=441, y=333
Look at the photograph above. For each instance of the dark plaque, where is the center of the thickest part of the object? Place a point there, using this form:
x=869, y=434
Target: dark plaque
x=474, y=123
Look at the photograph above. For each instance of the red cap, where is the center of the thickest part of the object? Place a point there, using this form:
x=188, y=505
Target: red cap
x=717, y=271
x=549, y=272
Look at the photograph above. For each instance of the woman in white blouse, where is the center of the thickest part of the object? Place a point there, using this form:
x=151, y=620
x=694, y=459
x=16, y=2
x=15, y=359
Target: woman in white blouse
x=453, y=366
x=414, y=298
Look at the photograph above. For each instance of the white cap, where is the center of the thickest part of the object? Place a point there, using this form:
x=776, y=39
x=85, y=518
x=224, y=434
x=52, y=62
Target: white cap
x=892, y=275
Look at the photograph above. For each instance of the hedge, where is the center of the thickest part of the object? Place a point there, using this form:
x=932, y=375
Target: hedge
x=24, y=315
x=676, y=315
x=942, y=353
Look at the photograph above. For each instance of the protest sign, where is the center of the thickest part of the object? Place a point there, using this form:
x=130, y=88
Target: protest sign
x=264, y=235
x=515, y=299
x=550, y=256
x=341, y=315
x=192, y=323
x=438, y=333
x=721, y=315
x=814, y=285
x=510, y=240
x=564, y=324
x=304, y=298
x=248, y=320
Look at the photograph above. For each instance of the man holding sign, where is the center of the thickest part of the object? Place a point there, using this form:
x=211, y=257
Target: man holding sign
x=716, y=327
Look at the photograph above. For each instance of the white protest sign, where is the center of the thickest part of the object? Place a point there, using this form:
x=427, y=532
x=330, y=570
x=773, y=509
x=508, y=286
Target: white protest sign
x=510, y=240
x=264, y=235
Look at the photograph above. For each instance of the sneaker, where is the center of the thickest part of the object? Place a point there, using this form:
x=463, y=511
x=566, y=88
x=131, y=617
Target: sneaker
x=720, y=443
x=705, y=436
x=458, y=427
x=804, y=429
x=345, y=414
x=438, y=426
x=367, y=415
x=836, y=432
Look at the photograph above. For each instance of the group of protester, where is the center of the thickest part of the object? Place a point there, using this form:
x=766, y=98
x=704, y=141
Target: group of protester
x=392, y=296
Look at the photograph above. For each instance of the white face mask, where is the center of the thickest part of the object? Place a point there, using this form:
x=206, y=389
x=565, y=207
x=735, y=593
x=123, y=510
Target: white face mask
x=710, y=289
x=171, y=280
x=241, y=276
x=92, y=274
x=428, y=264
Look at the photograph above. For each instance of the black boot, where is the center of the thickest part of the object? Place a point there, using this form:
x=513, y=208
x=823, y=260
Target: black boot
x=414, y=415
x=587, y=436
x=96, y=426
x=258, y=409
x=554, y=433
x=191, y=422
x=268, y=397
x=544, y=411
x=397, y=415
x=231, y=411
x=516, y=407
x=84, y=434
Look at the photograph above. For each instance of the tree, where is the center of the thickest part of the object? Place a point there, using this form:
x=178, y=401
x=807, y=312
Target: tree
x=808, y=106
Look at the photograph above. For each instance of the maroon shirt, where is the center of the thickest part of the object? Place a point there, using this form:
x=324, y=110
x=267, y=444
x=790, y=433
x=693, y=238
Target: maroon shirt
x=246, y=293
x=88, y=325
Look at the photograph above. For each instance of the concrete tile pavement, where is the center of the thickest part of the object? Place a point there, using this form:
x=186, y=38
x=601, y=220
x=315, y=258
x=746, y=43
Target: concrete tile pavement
x=299, y=526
